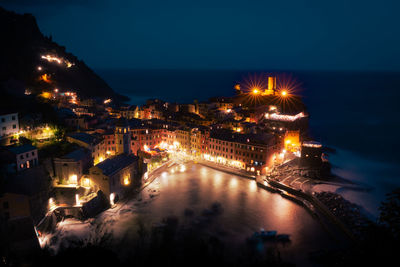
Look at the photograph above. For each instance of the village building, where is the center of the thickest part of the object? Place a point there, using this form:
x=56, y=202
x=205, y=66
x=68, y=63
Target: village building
x=130, y=112
x=183, y=139
x=311, y=154
x=91, y=142
x=70, y=168
x=250, y=152
x=9, y=126
x=25, y=194
x=116, y=175
x=25, y=156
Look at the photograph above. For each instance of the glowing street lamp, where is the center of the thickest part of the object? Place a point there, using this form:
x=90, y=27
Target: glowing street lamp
x=127, y=181
x=284, y=93
x=256, y=91
x=112, y=197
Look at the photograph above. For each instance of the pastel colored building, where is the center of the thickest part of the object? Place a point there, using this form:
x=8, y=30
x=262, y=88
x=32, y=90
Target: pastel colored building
x=254, y=153
x=9, y=125
x=26, y=156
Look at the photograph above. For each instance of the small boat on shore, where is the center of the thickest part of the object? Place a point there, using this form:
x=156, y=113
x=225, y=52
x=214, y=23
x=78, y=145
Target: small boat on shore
x=267, y=234
x=263, y=236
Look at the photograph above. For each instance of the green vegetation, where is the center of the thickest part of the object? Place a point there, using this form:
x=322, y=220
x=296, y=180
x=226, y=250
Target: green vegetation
x=56, y=149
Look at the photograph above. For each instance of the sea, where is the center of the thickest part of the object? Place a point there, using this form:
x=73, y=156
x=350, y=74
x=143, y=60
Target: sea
x=355, y=113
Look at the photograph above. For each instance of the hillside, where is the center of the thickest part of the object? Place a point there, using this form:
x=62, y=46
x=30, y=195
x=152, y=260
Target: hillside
x=26, y=55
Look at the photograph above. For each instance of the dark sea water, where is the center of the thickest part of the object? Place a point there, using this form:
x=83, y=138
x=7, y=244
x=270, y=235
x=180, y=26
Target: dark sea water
x=356, y=113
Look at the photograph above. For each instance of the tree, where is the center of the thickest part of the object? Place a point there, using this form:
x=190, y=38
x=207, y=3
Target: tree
x=59, y=133
x=390, y=213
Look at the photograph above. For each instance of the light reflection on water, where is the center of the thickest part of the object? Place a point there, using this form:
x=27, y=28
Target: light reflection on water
x=246, y=208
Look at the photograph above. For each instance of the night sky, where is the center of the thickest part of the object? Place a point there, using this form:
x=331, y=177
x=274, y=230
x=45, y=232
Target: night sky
x=222, y=34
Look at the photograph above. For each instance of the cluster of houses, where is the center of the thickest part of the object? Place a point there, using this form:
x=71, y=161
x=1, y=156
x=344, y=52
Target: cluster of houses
x=114, y=147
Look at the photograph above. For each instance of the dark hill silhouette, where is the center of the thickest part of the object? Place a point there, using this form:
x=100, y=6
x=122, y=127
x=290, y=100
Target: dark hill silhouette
x=21, y=47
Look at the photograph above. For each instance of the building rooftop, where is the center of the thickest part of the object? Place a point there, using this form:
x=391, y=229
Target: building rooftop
x=133, y=107
x=84, y=137
x=21, y=149
x=122, y=122
x=250, y=139
x=116, y=163
x=76, y=155
x=7, y=112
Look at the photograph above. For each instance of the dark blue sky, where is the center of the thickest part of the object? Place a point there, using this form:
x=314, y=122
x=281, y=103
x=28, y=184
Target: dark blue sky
x=213, y=34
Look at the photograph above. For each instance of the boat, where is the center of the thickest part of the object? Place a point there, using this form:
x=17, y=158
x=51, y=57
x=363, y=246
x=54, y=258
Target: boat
x=267, y=234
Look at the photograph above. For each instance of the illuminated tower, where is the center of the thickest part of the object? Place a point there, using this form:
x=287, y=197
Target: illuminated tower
x=122, y=138
x=271, y=86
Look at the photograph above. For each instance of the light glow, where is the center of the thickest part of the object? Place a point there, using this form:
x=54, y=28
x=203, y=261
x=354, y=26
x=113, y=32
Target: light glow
x=73, y=179
x=52, y=204
x=77, y=201
x=312, y=144
x=51, y=59
x=46, y=95
x=45, y=77
x=280, y=117
x=112, y=197
x=127, y=180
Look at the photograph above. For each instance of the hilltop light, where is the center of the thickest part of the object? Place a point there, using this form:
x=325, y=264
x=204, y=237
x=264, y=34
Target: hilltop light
x=45, y=77
x=256, y=91
x=284, y=93
x=45, y=95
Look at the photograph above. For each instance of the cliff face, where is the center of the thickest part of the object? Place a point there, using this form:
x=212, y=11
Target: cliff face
x=22, y=46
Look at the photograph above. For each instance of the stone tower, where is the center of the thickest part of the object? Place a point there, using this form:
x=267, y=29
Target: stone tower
x=122, y=138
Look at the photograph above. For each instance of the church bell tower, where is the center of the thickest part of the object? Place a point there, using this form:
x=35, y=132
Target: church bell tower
x=122, y=138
